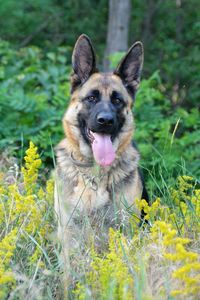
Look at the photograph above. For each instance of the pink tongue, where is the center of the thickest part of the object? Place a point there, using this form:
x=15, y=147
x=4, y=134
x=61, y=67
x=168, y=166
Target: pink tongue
x=102, y=148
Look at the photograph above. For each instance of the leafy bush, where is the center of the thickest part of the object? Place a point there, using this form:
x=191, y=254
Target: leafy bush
x=168, y=137
x=34, y=91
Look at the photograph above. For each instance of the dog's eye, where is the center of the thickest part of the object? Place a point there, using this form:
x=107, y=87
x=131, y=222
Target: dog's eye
x=116, y=101
x=91, y=98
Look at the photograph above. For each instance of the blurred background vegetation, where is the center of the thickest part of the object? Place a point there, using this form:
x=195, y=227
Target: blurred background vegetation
x=37, y=38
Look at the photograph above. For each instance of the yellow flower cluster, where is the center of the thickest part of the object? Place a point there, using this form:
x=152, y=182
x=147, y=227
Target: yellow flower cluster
x=184, y=211
x=184, y=183
x=30, y=171
x=187, y=200
x=187, y=262
x=110, y=275
x=23, y=206
x=150, y=211
x=7, y=247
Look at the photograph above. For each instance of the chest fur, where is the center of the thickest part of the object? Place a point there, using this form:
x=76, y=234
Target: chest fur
x=89, y=188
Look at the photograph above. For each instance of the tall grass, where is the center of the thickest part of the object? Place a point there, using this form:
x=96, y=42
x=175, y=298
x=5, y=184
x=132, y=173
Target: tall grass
x=156, y=261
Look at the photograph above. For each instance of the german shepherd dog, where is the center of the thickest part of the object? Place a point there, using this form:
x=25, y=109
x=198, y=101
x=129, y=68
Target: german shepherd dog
x=97, y=163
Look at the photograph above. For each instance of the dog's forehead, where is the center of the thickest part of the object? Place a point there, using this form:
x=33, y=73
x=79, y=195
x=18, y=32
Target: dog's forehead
x=106, y=83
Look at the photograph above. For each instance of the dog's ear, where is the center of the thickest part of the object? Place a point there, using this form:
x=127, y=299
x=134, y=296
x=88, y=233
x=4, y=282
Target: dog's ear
x=83, y=61
x=130, y=67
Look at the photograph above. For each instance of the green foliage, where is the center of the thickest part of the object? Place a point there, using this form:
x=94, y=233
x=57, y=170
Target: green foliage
x=167, y=137
x=34, y=91
x=170, y=33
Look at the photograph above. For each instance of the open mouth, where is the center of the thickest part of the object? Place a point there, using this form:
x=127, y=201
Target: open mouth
x=102, y=147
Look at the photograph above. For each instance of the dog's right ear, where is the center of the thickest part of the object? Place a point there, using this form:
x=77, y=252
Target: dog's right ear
x=83, y=61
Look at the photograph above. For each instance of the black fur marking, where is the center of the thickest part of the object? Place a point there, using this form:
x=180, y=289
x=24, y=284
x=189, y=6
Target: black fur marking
x=135, y=146
x=83, y=127
x=131, y=90
x=93, y=106
x=145, y=195
x=117, y=100
x=92, y=98
x=128, y=179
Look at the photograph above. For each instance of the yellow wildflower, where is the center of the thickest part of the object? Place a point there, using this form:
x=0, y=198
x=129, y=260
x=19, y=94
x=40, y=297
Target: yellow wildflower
x=50, y=190
x=110, y=274
x=174, y=250
x=150, y=211
x=7, y=248
x=30, y=171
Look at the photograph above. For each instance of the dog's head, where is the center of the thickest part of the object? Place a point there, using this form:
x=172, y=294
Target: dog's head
x=101, y=103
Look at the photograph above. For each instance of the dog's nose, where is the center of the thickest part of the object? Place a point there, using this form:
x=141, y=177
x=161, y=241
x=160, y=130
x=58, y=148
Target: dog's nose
x=105, y=118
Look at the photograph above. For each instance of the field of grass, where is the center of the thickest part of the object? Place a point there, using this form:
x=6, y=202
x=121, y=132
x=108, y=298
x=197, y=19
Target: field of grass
x=157, y=261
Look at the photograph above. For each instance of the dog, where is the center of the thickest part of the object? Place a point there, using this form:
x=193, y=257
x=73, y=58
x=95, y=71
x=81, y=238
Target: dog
x=98, y=178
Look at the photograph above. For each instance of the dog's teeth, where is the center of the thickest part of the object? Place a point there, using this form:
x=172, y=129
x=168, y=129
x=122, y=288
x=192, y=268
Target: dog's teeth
x=90, y=136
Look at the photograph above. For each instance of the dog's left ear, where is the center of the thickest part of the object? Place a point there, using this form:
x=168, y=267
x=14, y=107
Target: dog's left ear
x=83, y=61
x=130, y=67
